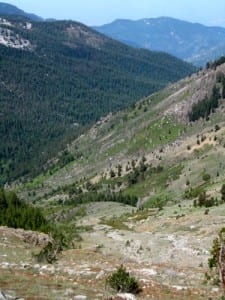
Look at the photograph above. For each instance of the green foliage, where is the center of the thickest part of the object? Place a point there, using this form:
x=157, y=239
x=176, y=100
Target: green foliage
x=18, y=214
x=218, y=62
x=61, y=239
x=112, y=173
x=204, y=108
x=133, y=176
x=65, y=159
x=116, y=223
x=193, y=192
x=206, y=177
x=51, y=94
x=95, y=196
x=216, y=260
x=158, y=201
x=223, y=193
x=223, y=87
x=122, y=281
x=157, y=179
x=213, y=260
x=217, y=127
x=138, y=173
x=204, y=200
x=49, y=252
x=119, y=170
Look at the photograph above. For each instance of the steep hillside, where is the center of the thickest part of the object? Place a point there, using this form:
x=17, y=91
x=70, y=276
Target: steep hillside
x=145, y=191
x=11, y=10
x=156, y=131
x=194, y=43
x=58, y=77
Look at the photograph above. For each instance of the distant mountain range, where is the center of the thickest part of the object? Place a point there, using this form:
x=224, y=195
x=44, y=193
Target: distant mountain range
x=191, y=42
x=12, y=10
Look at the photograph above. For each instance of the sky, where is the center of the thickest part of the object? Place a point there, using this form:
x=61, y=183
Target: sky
x=99, y=12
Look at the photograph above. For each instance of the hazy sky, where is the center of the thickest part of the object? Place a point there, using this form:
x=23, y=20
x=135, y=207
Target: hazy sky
x=97, y=12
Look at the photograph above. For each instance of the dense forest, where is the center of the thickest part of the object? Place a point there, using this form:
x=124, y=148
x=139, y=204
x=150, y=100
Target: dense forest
x=18, y=214
x=68, y=78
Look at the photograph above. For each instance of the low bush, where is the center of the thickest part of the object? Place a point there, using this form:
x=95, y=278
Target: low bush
x=122, y=281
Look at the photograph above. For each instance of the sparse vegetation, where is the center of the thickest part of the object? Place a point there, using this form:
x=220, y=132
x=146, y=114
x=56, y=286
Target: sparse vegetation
x=116, y=223
x=193, y=192
x=204, y=200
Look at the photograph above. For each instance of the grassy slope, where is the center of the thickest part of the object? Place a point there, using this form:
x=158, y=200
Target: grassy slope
x=155, y=128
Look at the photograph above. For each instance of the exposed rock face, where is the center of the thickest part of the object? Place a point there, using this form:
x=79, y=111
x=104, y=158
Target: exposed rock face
x=4, y=296
x=28, y=236
x=11, y=39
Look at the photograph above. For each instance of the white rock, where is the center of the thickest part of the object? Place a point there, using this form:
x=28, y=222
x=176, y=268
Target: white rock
x=2, y=296
x=71, y=272
x=150, y=272
x=178, y=287
x=126, y=296
x=37, y=266
x=115, y=236
x=68, y=292
x=100, y=275
x=44, y=268
x=80, y=297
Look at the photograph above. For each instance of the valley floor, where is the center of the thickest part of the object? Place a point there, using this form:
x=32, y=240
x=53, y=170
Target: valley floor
x=167, y=251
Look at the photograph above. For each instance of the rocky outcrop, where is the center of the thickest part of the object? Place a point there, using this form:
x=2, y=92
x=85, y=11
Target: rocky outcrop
x=28, y=236
x=4, y=296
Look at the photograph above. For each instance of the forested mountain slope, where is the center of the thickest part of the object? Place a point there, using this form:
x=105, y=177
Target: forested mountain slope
x=162, y=133
x=57, y=78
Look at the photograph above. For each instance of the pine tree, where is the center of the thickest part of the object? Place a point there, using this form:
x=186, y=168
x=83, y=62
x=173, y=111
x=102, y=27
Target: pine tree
x=223, y=192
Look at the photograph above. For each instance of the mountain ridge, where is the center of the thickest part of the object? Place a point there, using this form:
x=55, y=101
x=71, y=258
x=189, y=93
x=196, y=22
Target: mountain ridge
x=12, y=10
x=192, y=42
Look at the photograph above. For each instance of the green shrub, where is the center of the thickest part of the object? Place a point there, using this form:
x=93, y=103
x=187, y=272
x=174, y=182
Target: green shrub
x=193, y=192
x=205, y=201
x=223, y=193
x=50, y=252
x=206, y=177
x=122, y=281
